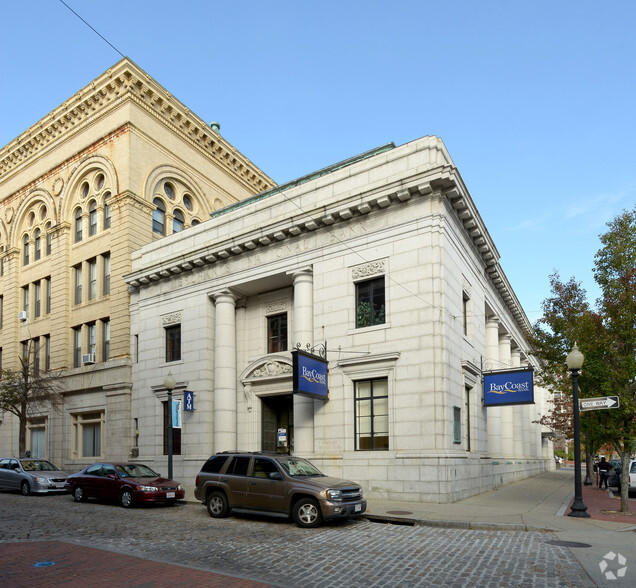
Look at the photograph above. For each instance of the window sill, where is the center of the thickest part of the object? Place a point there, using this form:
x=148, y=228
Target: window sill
x=369, y=329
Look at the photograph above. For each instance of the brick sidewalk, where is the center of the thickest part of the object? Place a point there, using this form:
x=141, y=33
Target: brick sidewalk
x=602, y=507
x=75, y=565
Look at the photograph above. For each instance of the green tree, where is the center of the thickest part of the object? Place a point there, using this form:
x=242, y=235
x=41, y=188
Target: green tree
x=27, y=392
x=606, y=335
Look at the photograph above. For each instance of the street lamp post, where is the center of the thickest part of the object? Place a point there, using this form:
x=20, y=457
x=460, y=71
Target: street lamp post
x=574, y=362
x=170, y=383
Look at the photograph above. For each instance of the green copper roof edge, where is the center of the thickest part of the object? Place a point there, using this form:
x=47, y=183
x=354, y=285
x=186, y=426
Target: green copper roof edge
x=304, y=179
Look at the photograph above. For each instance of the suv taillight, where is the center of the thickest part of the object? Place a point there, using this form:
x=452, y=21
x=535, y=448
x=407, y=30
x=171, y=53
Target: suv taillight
x=196, y=480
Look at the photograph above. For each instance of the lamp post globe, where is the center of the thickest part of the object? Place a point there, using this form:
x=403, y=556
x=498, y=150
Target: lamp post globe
x=574, y=362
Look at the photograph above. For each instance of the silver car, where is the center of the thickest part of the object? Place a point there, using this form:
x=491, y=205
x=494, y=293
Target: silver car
x=31, y=475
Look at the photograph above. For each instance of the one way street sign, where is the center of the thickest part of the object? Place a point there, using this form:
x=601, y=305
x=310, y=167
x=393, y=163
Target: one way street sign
x=598, y=403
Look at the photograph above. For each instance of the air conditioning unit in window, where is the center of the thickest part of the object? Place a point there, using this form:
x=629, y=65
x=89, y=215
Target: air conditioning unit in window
x=88, y=358
x=22, y=316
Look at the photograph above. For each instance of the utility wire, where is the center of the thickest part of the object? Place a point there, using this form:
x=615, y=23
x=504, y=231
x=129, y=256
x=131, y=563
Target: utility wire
x=92, y=28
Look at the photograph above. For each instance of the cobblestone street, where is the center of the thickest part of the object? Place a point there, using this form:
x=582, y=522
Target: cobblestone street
x=275, y=551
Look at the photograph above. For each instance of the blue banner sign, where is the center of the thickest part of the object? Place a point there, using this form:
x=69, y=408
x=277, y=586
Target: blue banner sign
x=188, y=400
x=176, y=414
x=506, y=387
x=310, y=375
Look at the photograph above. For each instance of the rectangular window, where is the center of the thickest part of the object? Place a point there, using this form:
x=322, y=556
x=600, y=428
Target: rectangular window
x=77, y=271
x=47, y=353
x=77, y=347
x=457, y=425
x=173, y=343
x=1, y=310
x=37, y=295
x=176, y=434
x=105, y=339
x=467, y=411
x=370, y=309
x=92, y=279
x=277, y=333
x=38, y=245
x=24, y=345
x=25, y=299
x=47, y=295
x=106, y=274
x=465, y=302
x=36, y=356
x=372, y=415
x=92, y=335
x=49, y=239
x=87, y=434
x=37, y=437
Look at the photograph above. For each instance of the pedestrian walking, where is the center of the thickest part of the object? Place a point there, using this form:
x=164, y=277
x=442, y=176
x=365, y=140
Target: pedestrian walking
x=604, y=468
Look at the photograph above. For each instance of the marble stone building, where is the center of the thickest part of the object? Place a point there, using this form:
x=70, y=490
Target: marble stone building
x=382, y=262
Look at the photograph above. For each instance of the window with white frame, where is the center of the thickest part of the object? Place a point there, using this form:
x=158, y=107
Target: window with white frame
x=77, y=272
x=36, y=437
x=92, y=279
x=105, y=339
x=87, y=434
x=77, y=346
x=106, y=274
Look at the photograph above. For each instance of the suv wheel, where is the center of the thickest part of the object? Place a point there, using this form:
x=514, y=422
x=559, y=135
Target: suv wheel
x=306, y=513
x=217, y=505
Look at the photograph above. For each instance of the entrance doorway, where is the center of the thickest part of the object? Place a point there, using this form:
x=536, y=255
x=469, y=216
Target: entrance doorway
x=277, y=424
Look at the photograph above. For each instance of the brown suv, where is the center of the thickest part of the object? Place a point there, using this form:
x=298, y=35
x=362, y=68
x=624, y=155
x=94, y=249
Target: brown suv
x=275, y=484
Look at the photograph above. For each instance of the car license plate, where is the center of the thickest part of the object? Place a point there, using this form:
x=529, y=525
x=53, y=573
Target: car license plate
x=357, y=508
x=169, y=494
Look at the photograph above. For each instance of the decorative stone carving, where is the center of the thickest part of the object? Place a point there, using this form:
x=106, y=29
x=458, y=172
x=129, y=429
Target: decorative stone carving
x=57, y=186
x=365, y=270
x=272, y=368
x=171, y=319
x=8, y=214
x=276, y=307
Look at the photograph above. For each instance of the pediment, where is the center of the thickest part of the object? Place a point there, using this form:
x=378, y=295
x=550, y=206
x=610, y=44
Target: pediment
x=267, y=369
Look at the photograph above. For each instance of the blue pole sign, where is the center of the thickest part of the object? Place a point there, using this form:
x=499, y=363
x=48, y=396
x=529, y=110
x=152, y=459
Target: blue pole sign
x=188, y=400
x=310, y=375
x=508, y=387
x=176, y=414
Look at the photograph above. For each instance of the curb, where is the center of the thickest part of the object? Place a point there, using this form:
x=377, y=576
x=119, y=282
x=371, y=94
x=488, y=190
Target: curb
x=466, y=525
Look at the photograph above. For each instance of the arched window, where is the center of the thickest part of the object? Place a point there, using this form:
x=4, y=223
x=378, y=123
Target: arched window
x=159, y=217
x=49, y=238
x=25, y=245
x=92, y=219
x=38, y=245
x=106, y=211
x=78, y=225
x=178, y=221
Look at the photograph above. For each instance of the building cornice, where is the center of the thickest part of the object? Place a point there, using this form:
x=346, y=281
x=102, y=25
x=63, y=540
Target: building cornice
x=443, y=181
x=126, y=81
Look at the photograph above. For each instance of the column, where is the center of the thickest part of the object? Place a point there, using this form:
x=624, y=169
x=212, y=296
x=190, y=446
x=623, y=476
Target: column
x=507, y=428
x=493, y=413
x=303, y=334
x=520, y=415
x=225, y=372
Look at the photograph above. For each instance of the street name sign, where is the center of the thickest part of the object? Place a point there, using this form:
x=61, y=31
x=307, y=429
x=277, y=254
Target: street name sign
x=598, y=403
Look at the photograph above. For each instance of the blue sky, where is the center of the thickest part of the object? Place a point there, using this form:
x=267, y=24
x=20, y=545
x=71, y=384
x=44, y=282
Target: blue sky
x=535, y=100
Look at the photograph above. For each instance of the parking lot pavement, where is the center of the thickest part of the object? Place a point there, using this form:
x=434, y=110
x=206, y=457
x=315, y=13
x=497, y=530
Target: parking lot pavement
x=270, y=551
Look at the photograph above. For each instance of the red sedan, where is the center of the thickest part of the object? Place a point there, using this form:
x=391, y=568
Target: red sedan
x=128, y=483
